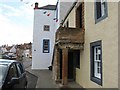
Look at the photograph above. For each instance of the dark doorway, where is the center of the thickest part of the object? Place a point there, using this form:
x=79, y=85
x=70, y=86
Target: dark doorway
x=79, y=17
x=70, y=66
x=60, y=61
x=73, y=62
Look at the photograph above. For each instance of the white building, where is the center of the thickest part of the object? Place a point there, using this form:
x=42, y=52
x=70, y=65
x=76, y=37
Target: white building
x=43, y=36
x=13, y=49
x=26, y=53
x=4, y=50
x=62, y=9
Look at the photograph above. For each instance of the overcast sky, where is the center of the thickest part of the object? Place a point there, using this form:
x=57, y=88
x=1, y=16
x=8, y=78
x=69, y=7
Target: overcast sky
x=16, y=20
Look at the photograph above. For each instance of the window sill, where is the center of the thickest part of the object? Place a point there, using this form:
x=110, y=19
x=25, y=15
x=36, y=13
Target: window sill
x=96, y=80
x=100, y=19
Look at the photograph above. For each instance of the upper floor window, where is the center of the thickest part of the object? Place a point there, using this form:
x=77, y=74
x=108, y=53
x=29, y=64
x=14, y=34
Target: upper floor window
x=67, y=24
x=79, y=17
x=46, y=45
x=46, y=28
x=100, y=10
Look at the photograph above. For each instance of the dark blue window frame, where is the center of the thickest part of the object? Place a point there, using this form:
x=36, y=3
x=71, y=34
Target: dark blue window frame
x=46, y=45
x=98, y=10
x=92, y=77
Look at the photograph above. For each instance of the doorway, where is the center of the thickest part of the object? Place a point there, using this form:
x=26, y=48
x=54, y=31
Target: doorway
x=73, y=61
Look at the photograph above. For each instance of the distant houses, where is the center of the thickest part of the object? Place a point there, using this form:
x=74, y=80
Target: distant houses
x=17, y=51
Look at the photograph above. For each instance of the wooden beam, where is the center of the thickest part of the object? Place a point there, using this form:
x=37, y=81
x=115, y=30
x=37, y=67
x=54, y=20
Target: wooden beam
x=65, y=66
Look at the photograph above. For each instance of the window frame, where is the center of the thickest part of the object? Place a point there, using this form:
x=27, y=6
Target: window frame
x=46, y=29
x=9, y=76
x=48, y=45
x=20, y=69
x=92, y=64
x=105, y=11
x=79, y=17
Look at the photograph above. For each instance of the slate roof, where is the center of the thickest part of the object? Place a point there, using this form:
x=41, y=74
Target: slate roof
x=48, y=7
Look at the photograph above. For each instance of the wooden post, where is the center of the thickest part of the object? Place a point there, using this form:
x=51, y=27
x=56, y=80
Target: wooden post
x=57, y=66
x=64, y=66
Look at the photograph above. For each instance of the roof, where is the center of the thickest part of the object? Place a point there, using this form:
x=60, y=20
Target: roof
x=8, y=48
x=48, y=7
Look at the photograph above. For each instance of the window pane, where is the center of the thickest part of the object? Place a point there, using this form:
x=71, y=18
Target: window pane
x=96, y=67
x=12, y=72
x=20, y=69
x=46, y=46
x=46, y=27
x=98, y=8
x=103, y=8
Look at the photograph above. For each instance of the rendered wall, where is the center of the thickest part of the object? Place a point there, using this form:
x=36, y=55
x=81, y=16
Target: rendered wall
x=107, y=31
x=42, y=60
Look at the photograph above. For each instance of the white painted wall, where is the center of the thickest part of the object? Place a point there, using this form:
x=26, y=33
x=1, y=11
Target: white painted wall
x=63, y=8
x=4, y=50
x=26, y=53
x=42, y=60
x=13, y=49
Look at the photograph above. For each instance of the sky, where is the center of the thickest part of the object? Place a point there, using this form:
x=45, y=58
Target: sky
x=16, y=20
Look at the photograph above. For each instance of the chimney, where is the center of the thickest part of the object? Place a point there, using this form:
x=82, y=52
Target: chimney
x=36, y=6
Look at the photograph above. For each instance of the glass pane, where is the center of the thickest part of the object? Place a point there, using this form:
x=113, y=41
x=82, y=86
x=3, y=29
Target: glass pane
x=2, y=72
x=98, y=70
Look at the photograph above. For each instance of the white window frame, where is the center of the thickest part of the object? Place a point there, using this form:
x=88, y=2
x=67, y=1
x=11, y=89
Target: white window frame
x=103, y=7
x=97, y=61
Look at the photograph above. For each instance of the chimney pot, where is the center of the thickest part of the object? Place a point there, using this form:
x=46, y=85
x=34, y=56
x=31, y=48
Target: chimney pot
x=36, y=6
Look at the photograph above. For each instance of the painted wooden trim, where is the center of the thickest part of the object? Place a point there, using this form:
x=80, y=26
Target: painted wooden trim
x=92, y=77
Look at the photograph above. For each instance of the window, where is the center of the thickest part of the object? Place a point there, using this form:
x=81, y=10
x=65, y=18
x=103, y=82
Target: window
x=79, y=17
x=67, y=24
x=46, y=43
x=96, y=62
x=12, y=72
x=46, y=28
x=20, y=69
x=100, y=10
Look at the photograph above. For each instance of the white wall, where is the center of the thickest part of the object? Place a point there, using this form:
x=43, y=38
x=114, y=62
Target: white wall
x=63, y=9
x=4, y=50
x=13, y=49
x=26, y=53
x=42, y=60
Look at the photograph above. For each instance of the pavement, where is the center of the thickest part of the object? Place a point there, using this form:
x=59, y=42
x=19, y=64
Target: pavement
x=43, y=78
x=32, y=80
